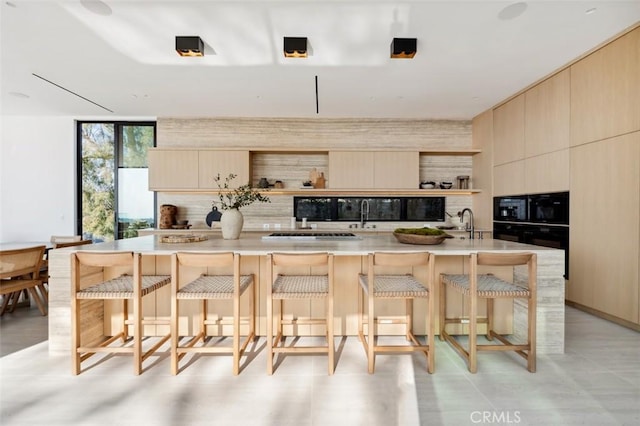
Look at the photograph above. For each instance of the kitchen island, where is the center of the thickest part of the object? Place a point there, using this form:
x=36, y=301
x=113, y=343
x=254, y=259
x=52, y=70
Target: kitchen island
x=451, y=257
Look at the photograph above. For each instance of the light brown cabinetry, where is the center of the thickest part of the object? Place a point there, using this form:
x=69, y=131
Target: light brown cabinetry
x=348, y=171
x=374, y=169
x=508, y=179
x=547, y=116
x=482, y=167
x=605, y=226
x=547, y=172
x=531, y=139
x=508, y=131
x=605, y=91
x=214, y=162
x=172, y=169
x=351, y=169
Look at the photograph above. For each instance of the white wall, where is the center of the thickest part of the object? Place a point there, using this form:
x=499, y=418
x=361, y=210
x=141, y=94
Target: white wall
x=37, y=178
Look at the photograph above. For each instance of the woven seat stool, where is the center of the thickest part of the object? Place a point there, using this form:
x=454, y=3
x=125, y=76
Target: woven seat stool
x=128, y=286
x=303, y=282
x=374, y=286
x=476, y=286
x=229, y=285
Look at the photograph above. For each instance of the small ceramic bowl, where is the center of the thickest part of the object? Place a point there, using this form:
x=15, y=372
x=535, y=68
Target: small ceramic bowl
x=446, y=185
x=428, y=185
x=182, y=222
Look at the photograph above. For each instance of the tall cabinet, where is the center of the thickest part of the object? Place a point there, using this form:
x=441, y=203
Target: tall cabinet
x=605, y=181
x=579, y=130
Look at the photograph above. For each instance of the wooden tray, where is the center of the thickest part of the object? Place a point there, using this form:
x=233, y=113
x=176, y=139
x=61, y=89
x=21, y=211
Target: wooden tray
x=182, y=238
x=421, y=239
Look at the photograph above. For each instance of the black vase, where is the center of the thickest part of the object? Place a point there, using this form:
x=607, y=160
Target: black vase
x=213, y=216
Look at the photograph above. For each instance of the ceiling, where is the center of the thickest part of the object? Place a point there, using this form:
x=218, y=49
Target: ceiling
x=118, y=57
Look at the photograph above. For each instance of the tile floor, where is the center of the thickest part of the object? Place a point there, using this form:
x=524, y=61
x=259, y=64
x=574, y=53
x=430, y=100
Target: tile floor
x=596, y=382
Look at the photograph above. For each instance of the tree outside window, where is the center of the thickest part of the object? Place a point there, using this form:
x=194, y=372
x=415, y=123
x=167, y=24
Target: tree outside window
x=116, y=201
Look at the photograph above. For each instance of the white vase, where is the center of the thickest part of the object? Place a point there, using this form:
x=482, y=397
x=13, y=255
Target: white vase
x=231, y=224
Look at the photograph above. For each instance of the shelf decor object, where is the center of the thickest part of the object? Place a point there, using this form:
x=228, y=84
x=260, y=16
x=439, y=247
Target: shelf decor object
x=428, y=236
x=231, y=200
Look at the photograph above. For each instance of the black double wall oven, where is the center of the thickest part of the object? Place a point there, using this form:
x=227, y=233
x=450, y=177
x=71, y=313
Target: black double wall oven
x=538, y=219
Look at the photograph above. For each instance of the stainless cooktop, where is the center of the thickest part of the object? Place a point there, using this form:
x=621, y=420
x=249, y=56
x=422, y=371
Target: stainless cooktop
x=311, y=236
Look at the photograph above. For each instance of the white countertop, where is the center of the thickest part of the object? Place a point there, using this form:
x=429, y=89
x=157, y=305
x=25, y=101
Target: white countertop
x=252, y=244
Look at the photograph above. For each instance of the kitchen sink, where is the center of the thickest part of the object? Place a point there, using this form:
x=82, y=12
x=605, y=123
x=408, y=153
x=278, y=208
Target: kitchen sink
x=311, y=236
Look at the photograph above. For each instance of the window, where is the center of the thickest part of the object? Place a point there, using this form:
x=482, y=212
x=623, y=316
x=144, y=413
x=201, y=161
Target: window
x=395, y=209
x=114, y=200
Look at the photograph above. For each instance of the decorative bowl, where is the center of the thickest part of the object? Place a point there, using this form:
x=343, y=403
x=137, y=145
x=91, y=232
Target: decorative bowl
x=446, y=185
x=427, y=236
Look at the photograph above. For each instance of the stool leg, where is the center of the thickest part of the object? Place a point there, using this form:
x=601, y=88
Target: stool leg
x=269, y=333
x=75, y=333
x=371, y=354
x=125, y=315
x=252, y=310
x=360, y=312
x=489, y=318
x=137, y=336
x=531, y=356
x=473, y=349
x=408, y=318
x=330, y=342
x=236, y=331
x=443, y=309
x=174, y=334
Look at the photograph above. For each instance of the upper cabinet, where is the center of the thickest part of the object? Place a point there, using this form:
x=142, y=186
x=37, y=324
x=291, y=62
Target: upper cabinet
x=218, y=162
x=547, y=115
x=351, y=169
x=346, y=171
x=508, y=131
x=172, y=169
x=605, y=91
x=374, y=169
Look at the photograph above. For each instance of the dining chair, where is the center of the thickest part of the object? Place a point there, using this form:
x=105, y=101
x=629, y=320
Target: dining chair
x=299, y=276
x=226, y=284
x=474, y=287
x=113, y=276
x=378, y=284
x=44, y=267
x=19, y=271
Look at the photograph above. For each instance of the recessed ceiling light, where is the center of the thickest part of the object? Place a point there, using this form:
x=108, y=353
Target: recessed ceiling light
x=189, y=46
x=20, y=95
x=590, y=11
x=512, y=11
x=96, y=6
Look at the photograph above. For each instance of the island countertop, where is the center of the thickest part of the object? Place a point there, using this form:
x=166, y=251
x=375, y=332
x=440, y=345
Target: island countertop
x=450, y=258
x=252, y=244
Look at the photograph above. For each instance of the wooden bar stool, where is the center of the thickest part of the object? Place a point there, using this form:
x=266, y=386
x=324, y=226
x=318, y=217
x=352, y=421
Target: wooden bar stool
x=230, y=286
x=406, y=287
x=489, y=287
x=131, y=285
x=296, y=285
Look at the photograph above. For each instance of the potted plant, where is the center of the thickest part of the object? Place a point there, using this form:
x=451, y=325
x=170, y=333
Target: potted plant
x=231, y=200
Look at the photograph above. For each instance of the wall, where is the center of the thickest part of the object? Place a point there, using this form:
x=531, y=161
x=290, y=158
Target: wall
x=323, y=134
x=38, y=175
x=37, y=178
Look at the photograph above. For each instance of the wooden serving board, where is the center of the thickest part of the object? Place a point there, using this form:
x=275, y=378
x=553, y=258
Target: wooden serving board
x=182, y=238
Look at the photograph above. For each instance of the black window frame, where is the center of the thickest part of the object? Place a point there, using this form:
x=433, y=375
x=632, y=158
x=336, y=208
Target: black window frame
x=334, y=217
x=118, y=124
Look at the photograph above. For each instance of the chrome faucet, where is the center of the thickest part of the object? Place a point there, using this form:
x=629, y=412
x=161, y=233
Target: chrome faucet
x=470, y=227
x=364, y=212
